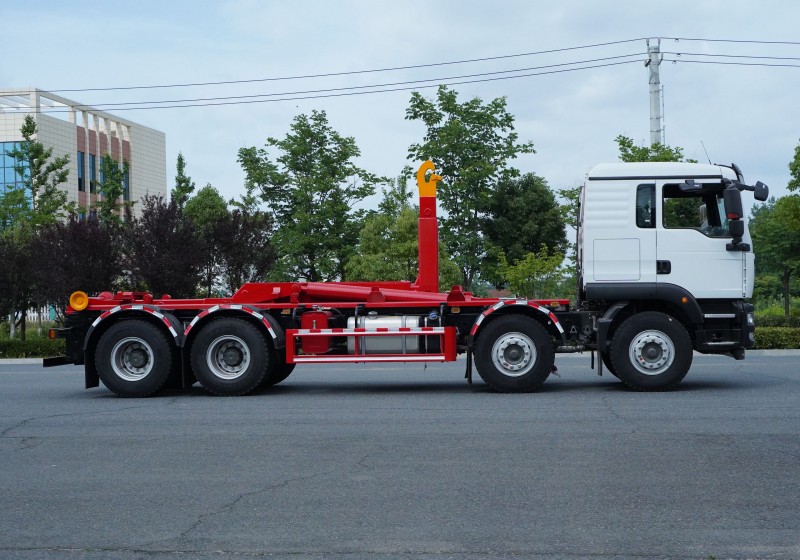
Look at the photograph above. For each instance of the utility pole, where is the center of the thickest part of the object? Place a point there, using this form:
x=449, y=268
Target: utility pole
x=653, y=63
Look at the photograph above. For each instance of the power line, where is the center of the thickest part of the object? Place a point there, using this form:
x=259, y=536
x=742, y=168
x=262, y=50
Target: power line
x=733, y=41
x=354, y=72
x=732, y=63
x=383, y=85
x=351, y=93
x=732, y=55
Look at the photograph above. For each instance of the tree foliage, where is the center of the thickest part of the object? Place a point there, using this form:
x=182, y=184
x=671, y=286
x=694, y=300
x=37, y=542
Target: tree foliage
x=244, y=248
x=524, y=215
x=472, y=144
x=206, y=209
x=75, y=255
x=630, y=152
x=537, y=275
x=775, y=229
x=311, y=188
x=165, y=253
x=184, y=186
x=111, y=189
x=38, y=200
x=794, y=170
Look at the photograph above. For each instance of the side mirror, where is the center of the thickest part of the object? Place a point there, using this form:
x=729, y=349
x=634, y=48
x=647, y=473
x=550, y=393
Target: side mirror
x=733, y=203
x=761, y=192
x=736, y=227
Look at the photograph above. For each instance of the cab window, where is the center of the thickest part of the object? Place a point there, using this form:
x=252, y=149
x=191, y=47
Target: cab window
x=701, y=211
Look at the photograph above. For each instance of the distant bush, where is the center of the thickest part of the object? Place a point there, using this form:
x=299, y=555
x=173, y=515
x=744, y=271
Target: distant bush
x=32, y=348
x=773, y=338
x=773, y=316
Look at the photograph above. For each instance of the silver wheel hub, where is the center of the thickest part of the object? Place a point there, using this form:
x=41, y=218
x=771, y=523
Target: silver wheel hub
x=652, y=352
x=514, y=354
x=228, y=357
x=132, y=359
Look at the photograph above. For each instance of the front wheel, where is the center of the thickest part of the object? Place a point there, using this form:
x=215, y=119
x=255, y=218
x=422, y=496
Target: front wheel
x=651, y=351
x=514, y=354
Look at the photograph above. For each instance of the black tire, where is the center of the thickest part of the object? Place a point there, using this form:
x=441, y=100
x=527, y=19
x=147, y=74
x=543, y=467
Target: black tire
x=230, y=357
x=514, y=354
x=281, y=371
x=607, y=363
x=651, y=351
x=134, y=358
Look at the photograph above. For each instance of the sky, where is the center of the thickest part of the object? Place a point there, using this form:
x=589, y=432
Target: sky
x=746, y=114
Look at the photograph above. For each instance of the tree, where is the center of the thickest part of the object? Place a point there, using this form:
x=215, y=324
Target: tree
x=16, y=285
x=93, y=265
x=311, y=188
x=244, y=247
x=629, y=152
x=775, y=229
x=165, y=253
x=523, y=215
x=472, y=144
x=537, y=275
x=111, y=189
x=794, y=170
x=34, y=202
x=40, y=176
x=184, y=186
x=206, y=209
x=389, y=250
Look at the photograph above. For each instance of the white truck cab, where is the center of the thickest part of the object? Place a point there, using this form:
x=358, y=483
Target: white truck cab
x=666, y=242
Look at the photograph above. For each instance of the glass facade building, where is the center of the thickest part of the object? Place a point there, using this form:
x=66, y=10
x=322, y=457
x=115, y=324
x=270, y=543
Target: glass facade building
x=9, y=178
x=86, y=135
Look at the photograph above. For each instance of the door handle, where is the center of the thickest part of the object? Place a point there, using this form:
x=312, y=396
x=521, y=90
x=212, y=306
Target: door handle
x=663, y=267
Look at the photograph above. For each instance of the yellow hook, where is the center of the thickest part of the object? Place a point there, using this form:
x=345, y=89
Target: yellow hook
x=427, y=185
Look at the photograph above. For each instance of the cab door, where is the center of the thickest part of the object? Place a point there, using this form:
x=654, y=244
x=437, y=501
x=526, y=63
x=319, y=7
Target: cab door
x=692, y=235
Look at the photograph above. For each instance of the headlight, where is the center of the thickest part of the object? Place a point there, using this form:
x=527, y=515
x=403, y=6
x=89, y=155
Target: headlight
x=751, y=322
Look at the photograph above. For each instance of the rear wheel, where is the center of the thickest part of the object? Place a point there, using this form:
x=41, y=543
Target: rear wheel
x=134, y=358
x=230, y=357
x=514, y=354
x=651, y=351
x=281, y=371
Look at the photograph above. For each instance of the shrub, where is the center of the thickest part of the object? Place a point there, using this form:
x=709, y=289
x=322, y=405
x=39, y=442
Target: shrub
x=772, y=338
x=33, y=348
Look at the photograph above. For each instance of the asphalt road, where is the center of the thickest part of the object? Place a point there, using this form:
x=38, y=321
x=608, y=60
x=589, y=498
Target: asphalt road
x=399, y=461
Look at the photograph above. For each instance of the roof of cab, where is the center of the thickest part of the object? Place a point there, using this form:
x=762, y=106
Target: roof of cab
x=659, y=170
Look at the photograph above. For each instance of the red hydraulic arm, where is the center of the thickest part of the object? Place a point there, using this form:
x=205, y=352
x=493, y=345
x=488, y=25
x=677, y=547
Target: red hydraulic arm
x=428, y=236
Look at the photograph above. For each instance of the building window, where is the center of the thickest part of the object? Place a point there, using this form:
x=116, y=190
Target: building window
x=81, y=172
x=9, y=177
x=92, y=173
x=126, y=185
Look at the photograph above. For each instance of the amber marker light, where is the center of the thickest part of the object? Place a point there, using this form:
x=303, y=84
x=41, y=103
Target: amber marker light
x=51, y=334
x=684, y=299
x=79, y=301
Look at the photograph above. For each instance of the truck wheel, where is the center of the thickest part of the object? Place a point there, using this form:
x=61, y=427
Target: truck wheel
x=607, y=363
x=514, y=354
x=230, y=357
x=651, y=351
x=281, y=372
x=134, y=358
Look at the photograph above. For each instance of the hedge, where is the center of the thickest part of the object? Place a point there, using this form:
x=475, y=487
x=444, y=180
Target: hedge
x=33, y=348
x=773, y=338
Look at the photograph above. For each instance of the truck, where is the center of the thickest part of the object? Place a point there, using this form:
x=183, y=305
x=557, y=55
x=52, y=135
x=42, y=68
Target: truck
x=665, y=267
